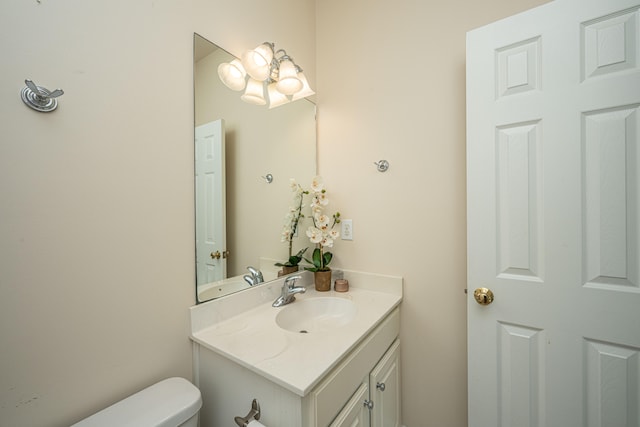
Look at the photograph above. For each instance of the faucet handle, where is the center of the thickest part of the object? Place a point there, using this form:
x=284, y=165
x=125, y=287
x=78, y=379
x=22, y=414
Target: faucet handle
x=290, y=281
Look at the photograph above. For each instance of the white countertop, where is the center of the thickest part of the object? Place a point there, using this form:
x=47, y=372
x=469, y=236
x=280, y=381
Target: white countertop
x=242, y=327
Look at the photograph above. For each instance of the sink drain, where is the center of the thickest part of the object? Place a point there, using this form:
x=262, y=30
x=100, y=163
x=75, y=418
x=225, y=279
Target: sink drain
x=304, y=332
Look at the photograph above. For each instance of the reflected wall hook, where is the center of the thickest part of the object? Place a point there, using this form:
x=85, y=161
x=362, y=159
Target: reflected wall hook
x=40, y=98
x=268, y=178
x=382, y=165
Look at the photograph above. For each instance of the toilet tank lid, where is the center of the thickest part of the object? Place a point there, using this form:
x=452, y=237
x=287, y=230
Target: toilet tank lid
x=168, y=403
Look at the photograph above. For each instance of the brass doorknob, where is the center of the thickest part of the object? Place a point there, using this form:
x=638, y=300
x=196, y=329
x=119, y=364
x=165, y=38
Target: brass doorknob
x=215, y=255
x=483, y=296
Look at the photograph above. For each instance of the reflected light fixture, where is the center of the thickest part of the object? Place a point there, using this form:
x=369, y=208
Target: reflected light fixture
x=254, y=93
x=267, y=76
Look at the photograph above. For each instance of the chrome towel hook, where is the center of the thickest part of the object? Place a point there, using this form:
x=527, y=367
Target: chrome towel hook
x=382, y=165
x=40, y=98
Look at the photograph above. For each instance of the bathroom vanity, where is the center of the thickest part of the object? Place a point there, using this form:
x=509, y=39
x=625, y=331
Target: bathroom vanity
x=328, y=358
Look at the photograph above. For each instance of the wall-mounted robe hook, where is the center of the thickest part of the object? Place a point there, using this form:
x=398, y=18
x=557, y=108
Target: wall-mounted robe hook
x=382, y=165
x=40, y=98
x=268, y=178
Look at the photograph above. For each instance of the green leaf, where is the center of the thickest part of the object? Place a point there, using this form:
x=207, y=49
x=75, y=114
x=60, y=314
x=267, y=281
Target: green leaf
x=294, y=259
x=327, y=258
x=317, y=261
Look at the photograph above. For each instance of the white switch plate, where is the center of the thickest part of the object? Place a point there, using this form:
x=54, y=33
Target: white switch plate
x=347, y=229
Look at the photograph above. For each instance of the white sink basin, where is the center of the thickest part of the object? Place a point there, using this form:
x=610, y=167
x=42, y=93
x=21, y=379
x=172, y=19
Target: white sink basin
x=318, y=314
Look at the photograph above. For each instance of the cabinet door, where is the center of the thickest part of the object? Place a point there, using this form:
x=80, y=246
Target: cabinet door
x=385, y=389
x=355, y=413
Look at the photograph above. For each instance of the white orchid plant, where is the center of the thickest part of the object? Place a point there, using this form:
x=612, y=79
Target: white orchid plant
x=291, y=221
x=322, y=232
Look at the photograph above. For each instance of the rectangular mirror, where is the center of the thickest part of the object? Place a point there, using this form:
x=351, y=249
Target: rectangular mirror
x=239, y=215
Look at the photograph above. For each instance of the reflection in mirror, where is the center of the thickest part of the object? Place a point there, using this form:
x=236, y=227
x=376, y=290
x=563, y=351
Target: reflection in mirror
x=239, y=214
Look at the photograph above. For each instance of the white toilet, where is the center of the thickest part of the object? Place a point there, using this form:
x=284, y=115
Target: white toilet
x=173, y=402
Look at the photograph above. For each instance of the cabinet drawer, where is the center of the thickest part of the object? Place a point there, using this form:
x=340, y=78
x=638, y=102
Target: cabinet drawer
x=326, y=400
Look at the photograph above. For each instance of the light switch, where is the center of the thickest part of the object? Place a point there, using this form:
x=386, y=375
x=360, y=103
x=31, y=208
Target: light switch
x=347, y=229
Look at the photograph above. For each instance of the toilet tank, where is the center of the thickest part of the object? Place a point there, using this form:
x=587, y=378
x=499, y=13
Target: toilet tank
x=173, y=402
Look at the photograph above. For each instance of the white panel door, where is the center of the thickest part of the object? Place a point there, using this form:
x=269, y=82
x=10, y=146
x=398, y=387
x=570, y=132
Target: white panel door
x=211, y=239
x=553, y=154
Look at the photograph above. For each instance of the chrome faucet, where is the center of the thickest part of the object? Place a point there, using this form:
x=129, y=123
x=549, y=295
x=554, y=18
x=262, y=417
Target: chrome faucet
x=255, y=277
x=249, y=280
x=256, y=274
x=289, y=291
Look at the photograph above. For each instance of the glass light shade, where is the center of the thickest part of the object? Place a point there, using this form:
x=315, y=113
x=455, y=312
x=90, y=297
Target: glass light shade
x=257, y=62
x=288, y=81
x=306, y=89
x=232, y=74
x=254, y=93
x=276, y=98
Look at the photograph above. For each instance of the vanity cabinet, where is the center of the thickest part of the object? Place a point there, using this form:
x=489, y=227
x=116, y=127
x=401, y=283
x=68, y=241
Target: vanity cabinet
x=356, y=413
x=385, y=390
x=337, y=398
x=376, y=403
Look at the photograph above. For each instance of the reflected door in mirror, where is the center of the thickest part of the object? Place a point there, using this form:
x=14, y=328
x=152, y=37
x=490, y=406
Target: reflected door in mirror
x=211, y=243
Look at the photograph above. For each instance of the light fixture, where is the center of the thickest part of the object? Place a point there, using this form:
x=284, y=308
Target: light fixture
x=288, y=81
x=269, y=76
x=233, y=74
x=257, y=62
x=306, y=89
x=276, y=98
x=254, y=93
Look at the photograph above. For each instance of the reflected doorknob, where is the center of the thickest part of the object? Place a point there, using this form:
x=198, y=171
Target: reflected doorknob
x=215, y=255
x=225, y=254
x=483, y=296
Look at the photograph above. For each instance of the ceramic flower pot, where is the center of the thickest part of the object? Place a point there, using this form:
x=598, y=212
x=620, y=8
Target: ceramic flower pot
x=322, y=280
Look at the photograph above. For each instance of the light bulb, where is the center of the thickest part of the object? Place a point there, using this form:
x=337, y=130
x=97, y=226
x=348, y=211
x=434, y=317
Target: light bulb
x=288, y=81
x=257, y=62
x=232, y=74
x=254, y=93
x=306, y=89
x=276, y=98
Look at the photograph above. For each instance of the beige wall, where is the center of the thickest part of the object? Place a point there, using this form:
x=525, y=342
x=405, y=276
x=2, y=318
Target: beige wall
x=96, y=198
x=391, y=85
